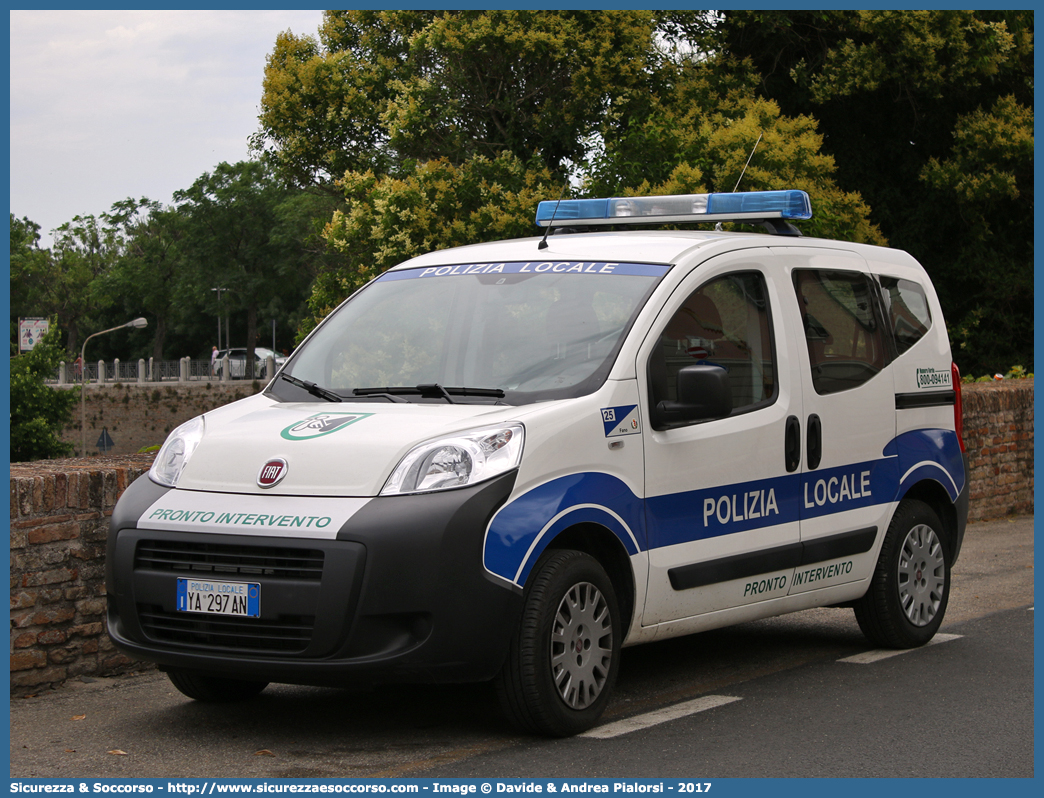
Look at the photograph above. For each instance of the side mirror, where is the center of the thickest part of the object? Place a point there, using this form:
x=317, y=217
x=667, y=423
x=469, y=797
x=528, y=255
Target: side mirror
x=703, y=393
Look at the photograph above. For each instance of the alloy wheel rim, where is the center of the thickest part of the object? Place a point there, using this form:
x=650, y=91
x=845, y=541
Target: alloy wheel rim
x=922, y=575
x=581, y=646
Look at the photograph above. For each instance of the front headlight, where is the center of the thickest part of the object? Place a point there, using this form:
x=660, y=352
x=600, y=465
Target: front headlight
x=457, y=460
x=176, y=451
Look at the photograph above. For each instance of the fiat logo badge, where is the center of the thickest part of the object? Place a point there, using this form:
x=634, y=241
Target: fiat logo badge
x=272, y=472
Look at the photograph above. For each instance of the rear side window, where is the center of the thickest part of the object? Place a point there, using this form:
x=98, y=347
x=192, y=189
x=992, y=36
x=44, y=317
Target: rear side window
x=842, y=330
x=908, y=313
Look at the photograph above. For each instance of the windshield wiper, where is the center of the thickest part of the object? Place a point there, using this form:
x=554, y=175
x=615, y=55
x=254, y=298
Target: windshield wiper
x=313, y=389
x=434, y=391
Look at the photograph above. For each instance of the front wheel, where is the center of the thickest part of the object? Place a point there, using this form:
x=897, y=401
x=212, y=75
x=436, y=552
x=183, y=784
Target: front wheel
x=908, y=593
x=213, y=689
x=565, y=656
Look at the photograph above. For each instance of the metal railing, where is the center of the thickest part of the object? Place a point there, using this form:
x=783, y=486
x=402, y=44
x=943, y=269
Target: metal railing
x=184, y=370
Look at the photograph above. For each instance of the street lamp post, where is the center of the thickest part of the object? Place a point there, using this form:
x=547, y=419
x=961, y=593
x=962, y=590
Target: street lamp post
x=227, y=344
x=137, y=323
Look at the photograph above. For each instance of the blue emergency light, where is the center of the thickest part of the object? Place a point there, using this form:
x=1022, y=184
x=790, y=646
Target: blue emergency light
x=743, y=206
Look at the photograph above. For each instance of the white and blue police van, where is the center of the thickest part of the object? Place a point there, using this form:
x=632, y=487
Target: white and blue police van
x=508, y=461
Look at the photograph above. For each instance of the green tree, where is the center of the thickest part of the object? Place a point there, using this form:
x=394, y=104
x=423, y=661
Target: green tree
x=147, y=275
x=323, y=97
x=380, y=87
x=39, y=412
x=390, y=219
x=535, y=84
x=987, y=179
x=706, y=132
x=903, y=99
x=84, y=251
x=76, y=282
x=239, y=233
x=29, y=267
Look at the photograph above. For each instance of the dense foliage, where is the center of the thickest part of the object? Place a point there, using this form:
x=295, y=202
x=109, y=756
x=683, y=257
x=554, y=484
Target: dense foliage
x=235, y=231
x=38, y=412
x=929, y=114
x=911, y=128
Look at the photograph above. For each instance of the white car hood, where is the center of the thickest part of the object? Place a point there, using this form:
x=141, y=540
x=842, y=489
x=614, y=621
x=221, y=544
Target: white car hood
x=331, y=449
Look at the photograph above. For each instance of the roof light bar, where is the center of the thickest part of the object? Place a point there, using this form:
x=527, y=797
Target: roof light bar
x=743, y=206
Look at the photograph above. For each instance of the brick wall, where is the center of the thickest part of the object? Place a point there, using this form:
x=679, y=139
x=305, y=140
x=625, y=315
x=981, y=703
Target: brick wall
x=60, y=511
x=59, y=521
x=998, y=434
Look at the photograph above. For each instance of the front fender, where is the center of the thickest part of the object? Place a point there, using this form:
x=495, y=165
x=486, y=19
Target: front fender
x=523, y=528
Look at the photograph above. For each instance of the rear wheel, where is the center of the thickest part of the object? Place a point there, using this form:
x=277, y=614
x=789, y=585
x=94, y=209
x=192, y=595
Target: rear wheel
x=213, y=689
x=910, y=588
x=565, y=656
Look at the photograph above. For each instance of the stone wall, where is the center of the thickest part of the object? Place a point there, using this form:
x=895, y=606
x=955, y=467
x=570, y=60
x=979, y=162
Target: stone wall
x=60, y=511
x=139, y=415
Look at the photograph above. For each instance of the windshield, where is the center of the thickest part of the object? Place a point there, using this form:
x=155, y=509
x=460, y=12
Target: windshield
x=525, y=332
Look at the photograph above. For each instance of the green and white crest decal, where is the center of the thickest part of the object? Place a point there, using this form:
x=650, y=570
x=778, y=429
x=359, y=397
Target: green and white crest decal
x=321, y=424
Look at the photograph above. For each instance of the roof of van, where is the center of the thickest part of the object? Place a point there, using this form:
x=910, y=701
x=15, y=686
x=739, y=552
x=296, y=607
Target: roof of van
x=630, y=246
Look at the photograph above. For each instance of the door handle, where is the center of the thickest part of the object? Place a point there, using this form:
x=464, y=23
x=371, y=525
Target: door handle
x=815, y=441
x=792, y=444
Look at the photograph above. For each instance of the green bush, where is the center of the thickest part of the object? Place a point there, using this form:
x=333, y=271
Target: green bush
x=38, y=413
x=1014, y=373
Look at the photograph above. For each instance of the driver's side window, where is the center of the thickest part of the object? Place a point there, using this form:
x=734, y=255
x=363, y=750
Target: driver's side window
x=725, y=323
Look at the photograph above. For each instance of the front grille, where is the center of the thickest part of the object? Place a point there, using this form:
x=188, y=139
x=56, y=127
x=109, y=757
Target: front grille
x=275, y=562
x=286, y=634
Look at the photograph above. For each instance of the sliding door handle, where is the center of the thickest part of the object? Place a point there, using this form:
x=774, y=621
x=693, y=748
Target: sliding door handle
x=815, y=441
x=792, y=444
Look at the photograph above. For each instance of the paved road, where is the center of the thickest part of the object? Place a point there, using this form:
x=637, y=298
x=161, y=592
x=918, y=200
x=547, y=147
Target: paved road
x=800, y=711
x=972, y=717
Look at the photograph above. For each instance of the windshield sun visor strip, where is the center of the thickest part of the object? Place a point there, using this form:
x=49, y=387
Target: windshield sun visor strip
x=530, y=267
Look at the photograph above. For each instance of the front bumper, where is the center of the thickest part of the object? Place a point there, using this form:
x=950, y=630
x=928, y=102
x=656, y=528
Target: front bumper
x=399, y=595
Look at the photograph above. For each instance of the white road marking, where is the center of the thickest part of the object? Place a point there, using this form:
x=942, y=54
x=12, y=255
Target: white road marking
x=884, y=653
x=674, y=712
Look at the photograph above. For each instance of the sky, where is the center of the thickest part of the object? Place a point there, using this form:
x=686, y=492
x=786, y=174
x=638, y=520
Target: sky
x=107, y=105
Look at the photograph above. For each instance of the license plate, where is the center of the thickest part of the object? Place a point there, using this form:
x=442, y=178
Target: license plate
x=219, y=598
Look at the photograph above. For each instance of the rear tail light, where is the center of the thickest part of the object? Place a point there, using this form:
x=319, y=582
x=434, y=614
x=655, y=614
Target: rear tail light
x=958, y=406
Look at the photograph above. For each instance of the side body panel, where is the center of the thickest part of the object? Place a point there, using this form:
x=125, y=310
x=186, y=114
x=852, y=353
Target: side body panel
x=849, y=486
x=719, y=490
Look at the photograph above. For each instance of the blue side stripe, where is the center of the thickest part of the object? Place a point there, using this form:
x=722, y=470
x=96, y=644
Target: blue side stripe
x=523, y=528
x=727, y=509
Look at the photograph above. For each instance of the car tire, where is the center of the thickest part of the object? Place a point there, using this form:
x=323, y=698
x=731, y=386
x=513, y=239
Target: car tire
x=910, y=588
x=213, y=689
x=564, y=658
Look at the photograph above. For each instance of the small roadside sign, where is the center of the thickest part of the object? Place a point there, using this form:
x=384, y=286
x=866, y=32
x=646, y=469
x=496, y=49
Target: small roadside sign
x=104, y=441
x=30, y=330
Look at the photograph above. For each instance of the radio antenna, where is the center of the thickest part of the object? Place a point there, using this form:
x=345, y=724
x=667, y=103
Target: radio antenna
x=756, y=143
x=543, y=241
x=718, y=226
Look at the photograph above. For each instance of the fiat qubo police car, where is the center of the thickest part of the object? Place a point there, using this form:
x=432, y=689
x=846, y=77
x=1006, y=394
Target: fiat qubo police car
x=508, y=461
